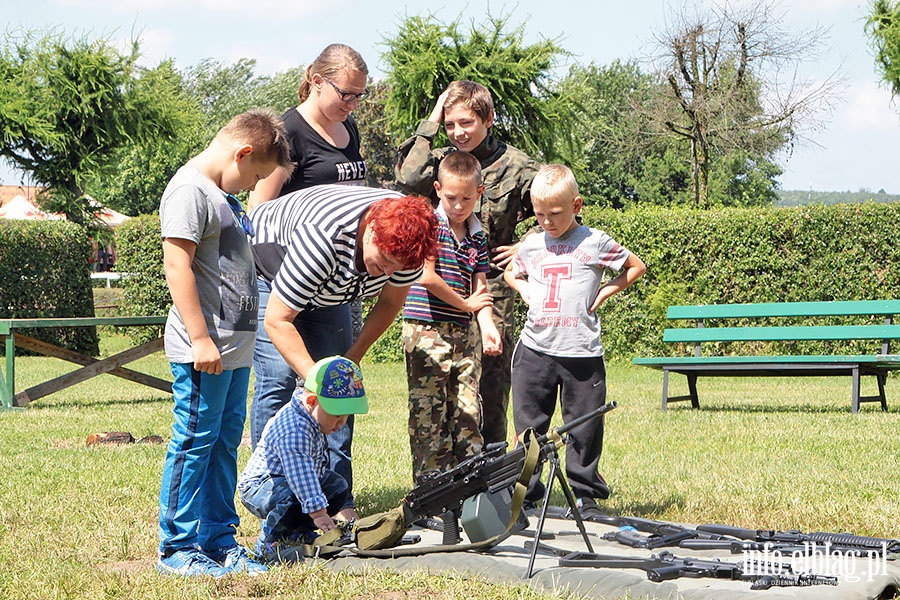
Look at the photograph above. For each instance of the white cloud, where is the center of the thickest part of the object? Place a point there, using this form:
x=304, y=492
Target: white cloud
x=156, y=45
x=870, y=109
x=260, y=8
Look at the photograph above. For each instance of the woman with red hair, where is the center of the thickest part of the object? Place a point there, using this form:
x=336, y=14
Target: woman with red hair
x=325, y=246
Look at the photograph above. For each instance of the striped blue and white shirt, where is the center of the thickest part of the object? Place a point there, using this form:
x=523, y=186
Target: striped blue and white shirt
x=306, y=245
x=292, y=446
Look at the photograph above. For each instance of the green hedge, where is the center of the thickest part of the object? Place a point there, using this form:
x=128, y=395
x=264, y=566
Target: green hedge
x=837, y=252
x=144, y=291
x=44, y=270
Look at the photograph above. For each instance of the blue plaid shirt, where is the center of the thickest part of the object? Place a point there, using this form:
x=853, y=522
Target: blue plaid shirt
x=292, y=446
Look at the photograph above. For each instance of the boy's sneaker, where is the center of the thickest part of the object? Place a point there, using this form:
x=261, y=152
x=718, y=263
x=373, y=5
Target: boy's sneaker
x=236, y=559
x=189, y=562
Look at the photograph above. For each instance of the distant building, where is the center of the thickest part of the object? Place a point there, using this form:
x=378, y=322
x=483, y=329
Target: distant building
x=20, y=202
x=29, y=192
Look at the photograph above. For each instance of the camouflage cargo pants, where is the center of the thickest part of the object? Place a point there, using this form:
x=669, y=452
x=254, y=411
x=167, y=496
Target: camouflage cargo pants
x=442, y=370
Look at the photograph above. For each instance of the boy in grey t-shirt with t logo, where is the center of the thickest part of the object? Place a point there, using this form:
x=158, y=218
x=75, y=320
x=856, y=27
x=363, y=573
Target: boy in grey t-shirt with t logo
x=559, y=273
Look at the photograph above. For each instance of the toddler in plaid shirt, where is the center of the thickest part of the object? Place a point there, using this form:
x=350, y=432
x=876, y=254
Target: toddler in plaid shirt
x=288, y=483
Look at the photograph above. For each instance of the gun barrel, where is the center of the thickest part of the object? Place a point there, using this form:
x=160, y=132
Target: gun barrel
x=798, y=538
x=566, y=427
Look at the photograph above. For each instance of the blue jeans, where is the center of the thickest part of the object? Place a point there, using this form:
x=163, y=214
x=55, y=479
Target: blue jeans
x=326, y=332
x=272, y=500
x=196, y=497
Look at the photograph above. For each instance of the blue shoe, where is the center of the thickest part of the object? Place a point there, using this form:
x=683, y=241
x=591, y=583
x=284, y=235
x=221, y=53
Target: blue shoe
x=189, y=562
x=236, y=559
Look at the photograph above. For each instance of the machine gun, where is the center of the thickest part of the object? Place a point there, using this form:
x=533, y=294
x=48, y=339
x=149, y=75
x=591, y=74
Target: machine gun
x=665, y=566
x=796, y=541
x=493, y=472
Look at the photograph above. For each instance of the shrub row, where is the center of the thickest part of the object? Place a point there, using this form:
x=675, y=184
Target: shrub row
x=44, y=270
x=810, y=253
x=838, y=252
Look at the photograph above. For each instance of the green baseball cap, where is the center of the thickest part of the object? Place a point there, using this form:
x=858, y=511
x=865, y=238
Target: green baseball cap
x=338, y=383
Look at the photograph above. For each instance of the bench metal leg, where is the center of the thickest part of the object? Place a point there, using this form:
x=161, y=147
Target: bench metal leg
x=859, y=399
x=692, y=389
x=8, y=385
x=691, y=395
x=665, y=390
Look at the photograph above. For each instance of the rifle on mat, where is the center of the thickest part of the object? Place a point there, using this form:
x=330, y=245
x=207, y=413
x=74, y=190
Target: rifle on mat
x=738, y=540
x=665, y=566
x=792, y=541
x=488, y=478
x=661, y=533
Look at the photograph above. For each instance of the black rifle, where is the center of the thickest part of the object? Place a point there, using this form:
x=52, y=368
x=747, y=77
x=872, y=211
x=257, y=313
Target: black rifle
x=791, y=541
x=665, y=566
x=493, y=470
x=661, y=533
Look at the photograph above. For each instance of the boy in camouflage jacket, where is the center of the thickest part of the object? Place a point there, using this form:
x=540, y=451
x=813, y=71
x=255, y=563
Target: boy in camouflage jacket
x=467, y=111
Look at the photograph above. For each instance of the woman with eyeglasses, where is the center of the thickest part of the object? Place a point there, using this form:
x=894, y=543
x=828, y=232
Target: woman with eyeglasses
x=324, y=143
x=324, y=137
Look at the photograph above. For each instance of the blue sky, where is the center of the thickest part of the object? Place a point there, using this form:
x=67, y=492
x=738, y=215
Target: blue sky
x=854, y=149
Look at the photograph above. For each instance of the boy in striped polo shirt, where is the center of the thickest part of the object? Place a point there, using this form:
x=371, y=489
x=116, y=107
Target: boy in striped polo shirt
x=441, y=343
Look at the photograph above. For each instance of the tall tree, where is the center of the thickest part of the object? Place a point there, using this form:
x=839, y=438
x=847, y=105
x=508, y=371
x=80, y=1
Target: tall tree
x=376, y=144
x=210, y=94
x=732, y=83
x=425, y=55
x=883, y=29
x=610, y=141
x=67, y=105
x=145, y=165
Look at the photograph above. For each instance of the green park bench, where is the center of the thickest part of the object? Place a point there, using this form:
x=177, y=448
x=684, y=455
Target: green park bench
x=91, y=367
x=877, y=364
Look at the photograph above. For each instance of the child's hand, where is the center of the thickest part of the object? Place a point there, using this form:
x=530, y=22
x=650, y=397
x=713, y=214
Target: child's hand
x=491, y=342
x=602, y=296
x=321, y=520
x=504, y=254
x=478, y=300
x=207, y=358
x=347, y=514
x=437, y=113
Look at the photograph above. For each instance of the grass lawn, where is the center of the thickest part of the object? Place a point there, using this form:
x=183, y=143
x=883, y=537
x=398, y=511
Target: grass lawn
x=80, y=522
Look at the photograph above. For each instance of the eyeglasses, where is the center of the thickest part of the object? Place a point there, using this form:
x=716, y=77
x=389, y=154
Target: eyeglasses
x=348, y=96
x=238, y=210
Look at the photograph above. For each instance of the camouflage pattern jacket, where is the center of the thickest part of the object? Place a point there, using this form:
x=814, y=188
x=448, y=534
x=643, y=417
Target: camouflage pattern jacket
x=507, y=173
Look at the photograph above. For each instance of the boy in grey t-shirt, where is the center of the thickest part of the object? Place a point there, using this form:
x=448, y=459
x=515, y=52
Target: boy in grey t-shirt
x=559, y=274
x=209, y=342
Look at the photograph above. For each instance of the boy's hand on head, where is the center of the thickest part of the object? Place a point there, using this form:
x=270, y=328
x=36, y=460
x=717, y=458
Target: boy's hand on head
x=504, y=254
x=207, y=358
x=437, y=113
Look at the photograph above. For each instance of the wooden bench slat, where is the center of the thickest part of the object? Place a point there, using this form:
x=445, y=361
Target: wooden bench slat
x=891, y=361
x=8, y=325
x=856, y=366
x=786, y=309
x=781, y=334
